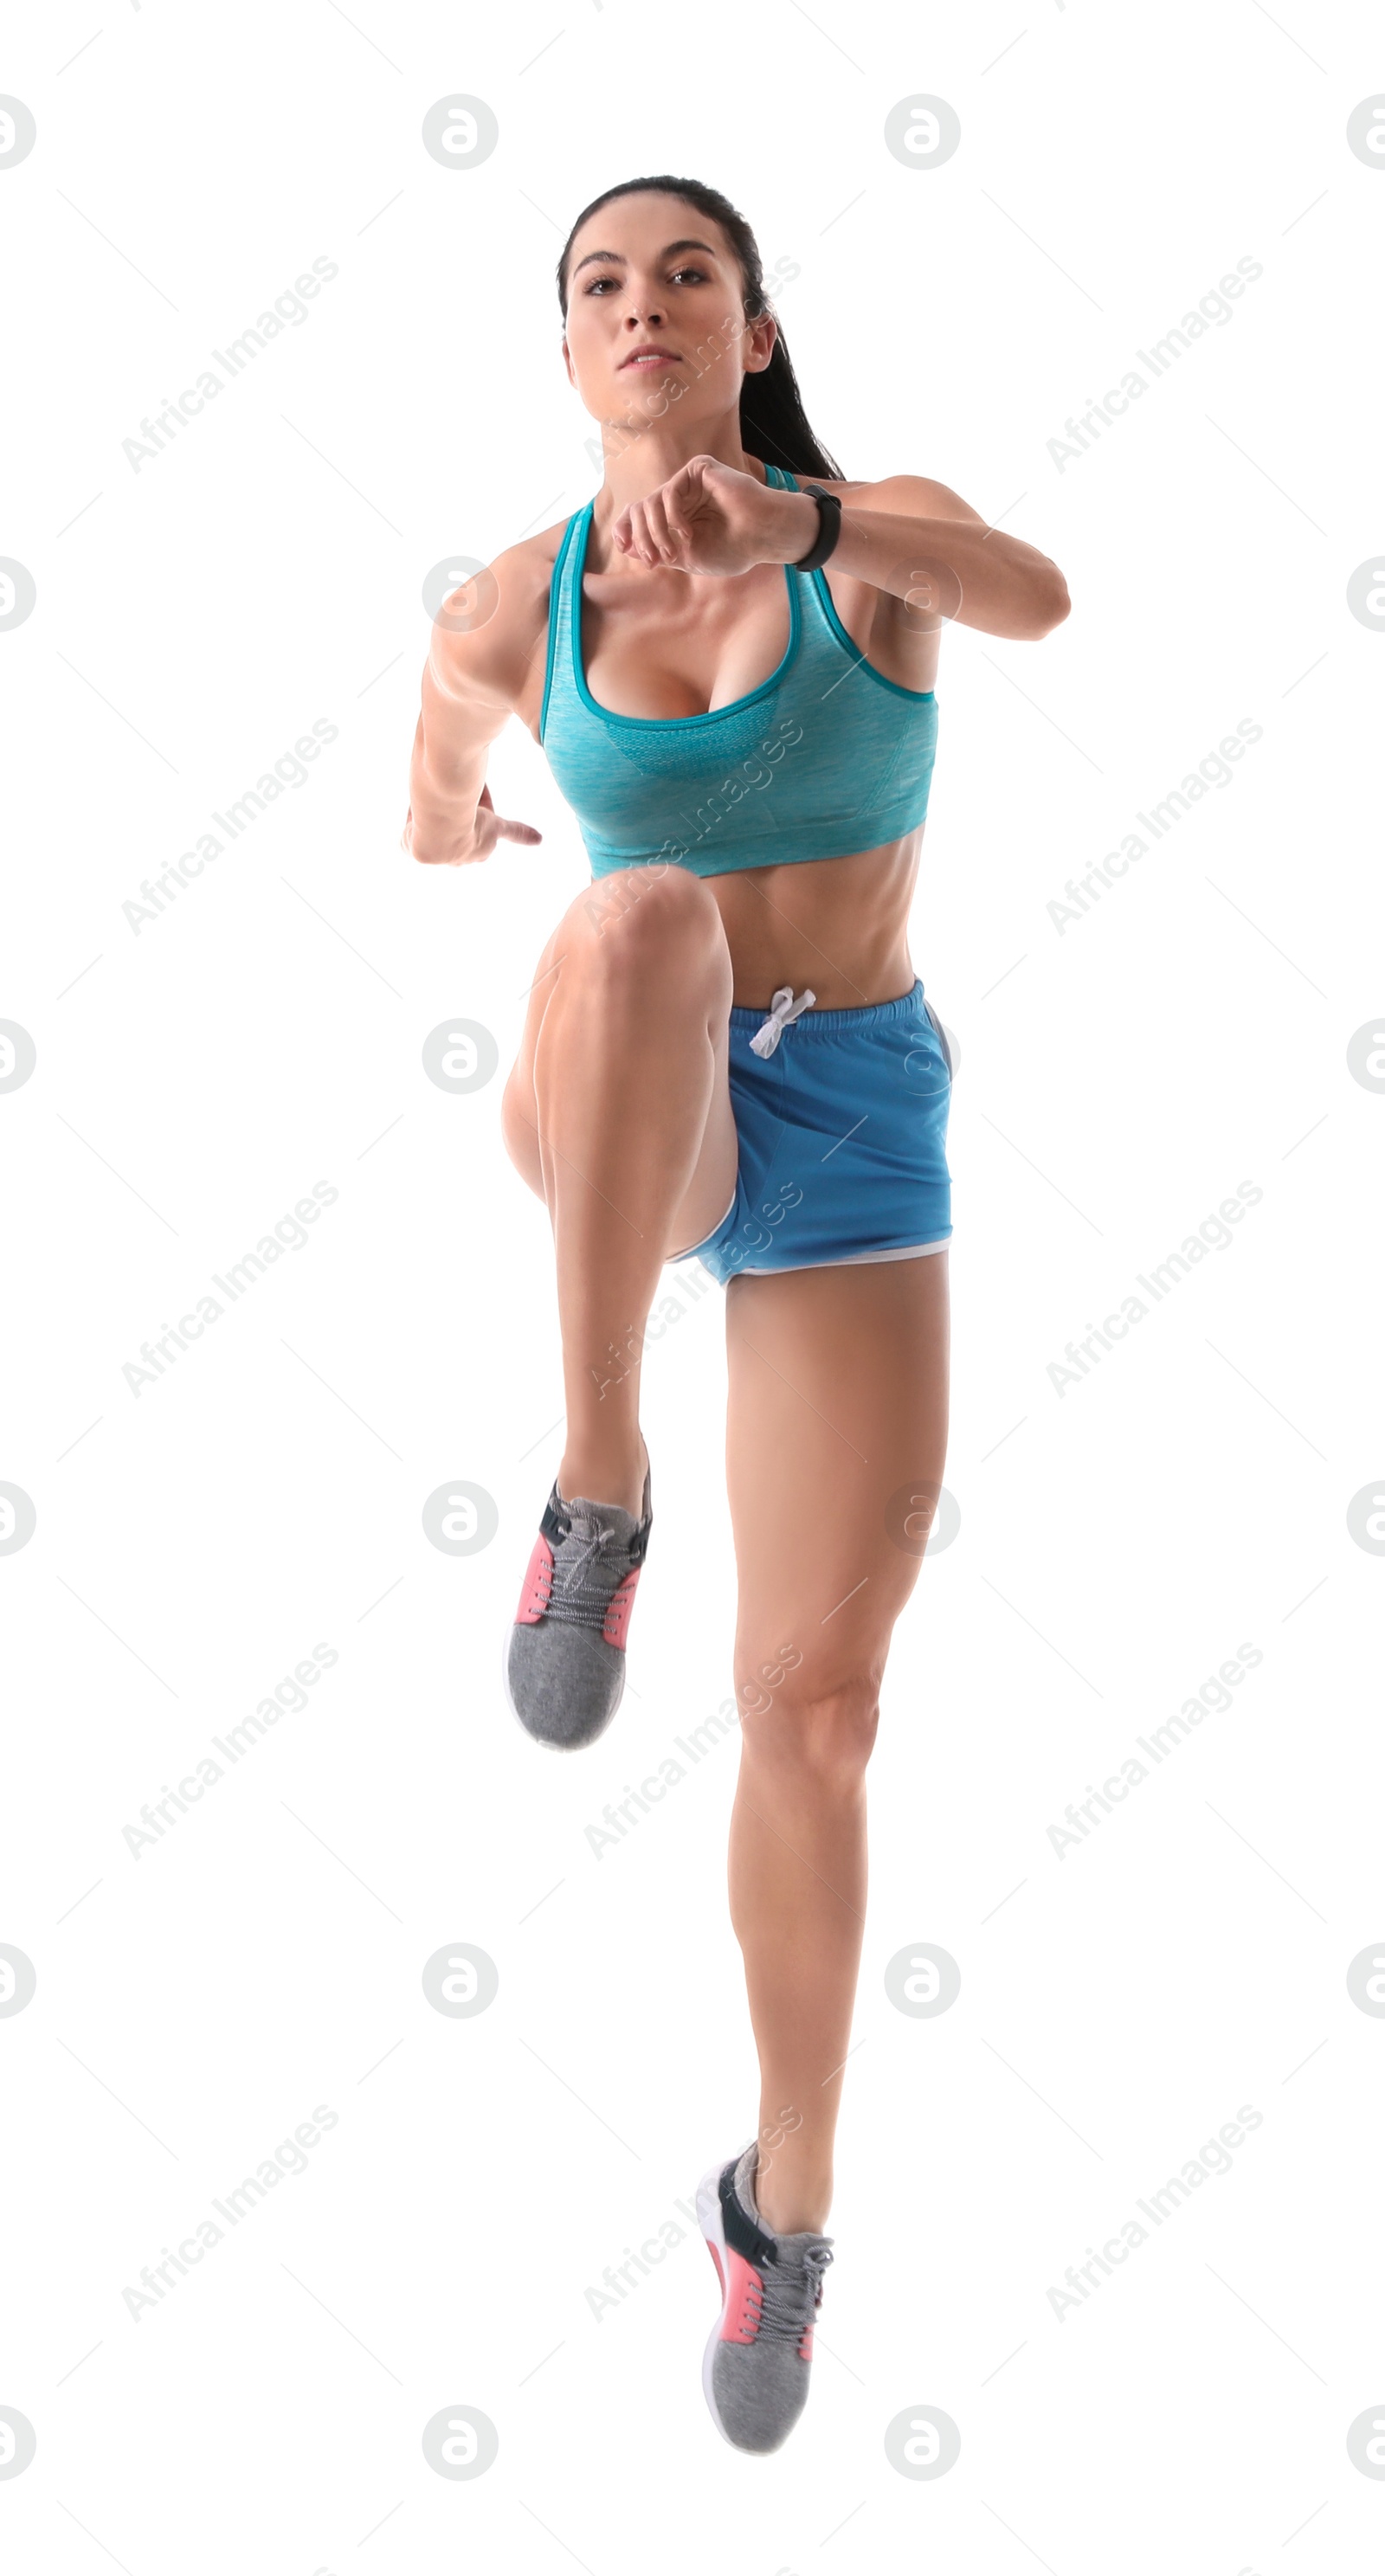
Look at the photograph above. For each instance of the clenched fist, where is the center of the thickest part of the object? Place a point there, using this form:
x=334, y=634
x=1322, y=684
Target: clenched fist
x=710, y=518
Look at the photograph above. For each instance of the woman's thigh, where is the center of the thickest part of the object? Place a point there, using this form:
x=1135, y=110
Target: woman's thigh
x=636, y=930
x=836, y=1439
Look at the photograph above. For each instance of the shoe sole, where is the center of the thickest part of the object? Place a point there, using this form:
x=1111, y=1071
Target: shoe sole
x=709, y=2219
x=548, y=1743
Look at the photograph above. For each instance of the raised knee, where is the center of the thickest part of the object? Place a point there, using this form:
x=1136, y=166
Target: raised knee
x=827, y=1732
x=631, y=922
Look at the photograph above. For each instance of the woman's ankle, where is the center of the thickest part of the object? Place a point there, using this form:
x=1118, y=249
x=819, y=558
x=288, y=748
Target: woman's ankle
x=605, y=1474
x=793, y=2197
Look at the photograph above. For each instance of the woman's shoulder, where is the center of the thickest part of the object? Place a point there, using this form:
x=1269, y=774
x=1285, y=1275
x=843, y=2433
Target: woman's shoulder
x=909, y=496
x=486, y=633
x=541, y=551
x=524, y=570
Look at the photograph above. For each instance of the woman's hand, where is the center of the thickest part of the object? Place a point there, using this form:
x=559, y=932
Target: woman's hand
x=487, y=831
x=709, y=518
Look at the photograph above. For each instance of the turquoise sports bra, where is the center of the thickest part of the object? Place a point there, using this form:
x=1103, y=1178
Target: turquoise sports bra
x=827, y=756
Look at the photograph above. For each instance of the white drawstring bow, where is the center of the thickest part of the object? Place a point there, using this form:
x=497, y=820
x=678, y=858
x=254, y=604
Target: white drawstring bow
x=783, y=1009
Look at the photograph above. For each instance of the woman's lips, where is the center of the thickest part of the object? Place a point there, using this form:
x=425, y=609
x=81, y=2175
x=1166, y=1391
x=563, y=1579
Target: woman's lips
x=651, y=358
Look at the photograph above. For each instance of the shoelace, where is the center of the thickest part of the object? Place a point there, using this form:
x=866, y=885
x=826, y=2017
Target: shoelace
x=788, y=2302
x=782, y=1010
x=583, y=1582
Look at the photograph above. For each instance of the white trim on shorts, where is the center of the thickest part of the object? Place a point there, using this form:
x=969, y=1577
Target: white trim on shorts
x=707, y=1237
x=843, y=1260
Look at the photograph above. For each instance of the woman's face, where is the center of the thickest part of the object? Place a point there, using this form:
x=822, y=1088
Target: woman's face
x=650, y=272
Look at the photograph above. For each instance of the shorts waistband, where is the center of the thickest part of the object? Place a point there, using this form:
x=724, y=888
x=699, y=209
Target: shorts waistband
x=836, y=1023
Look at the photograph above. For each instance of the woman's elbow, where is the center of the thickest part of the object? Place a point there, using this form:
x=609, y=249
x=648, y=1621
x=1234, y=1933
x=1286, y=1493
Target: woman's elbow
x=1051, y=604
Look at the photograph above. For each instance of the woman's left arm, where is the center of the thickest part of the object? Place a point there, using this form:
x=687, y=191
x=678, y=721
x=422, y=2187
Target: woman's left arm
x=910, y=537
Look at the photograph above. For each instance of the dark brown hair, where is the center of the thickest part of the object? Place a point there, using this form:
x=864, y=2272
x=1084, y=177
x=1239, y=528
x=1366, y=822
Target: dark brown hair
x=774, y=425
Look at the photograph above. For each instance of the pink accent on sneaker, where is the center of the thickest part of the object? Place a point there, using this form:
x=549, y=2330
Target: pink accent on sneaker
x=740, y=2322
x=616, y=1626
x=538, y=1585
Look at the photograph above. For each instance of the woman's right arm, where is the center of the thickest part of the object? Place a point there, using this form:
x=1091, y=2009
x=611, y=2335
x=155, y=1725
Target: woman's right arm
x=478, y=660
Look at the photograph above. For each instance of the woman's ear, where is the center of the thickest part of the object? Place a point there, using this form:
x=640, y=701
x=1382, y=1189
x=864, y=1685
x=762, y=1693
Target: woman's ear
x=761, y=336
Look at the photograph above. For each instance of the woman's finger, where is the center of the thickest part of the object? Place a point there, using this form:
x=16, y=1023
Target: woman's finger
x=640, y=534
x=666, y=538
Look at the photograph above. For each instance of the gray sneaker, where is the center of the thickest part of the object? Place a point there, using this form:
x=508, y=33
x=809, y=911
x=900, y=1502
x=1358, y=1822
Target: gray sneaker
x=565, y=1659
x=756, y=2367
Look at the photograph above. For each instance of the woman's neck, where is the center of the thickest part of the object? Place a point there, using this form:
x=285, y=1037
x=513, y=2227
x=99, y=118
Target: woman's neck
x=652, y=455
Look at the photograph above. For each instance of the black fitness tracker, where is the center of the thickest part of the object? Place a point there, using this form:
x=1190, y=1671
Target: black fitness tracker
x=829, y=528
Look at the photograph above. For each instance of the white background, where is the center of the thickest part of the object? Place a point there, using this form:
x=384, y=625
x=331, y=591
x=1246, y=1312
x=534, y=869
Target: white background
x=1117, y=1542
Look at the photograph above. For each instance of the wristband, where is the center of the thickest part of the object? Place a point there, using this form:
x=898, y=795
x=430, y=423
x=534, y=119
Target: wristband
x=829, y=528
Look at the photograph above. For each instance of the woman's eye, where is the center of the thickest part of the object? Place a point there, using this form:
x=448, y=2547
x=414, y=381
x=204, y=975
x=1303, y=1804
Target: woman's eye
x=694, y=276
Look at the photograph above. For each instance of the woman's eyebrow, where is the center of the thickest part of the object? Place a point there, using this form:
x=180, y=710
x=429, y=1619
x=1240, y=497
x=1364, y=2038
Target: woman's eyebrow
x=666, y=253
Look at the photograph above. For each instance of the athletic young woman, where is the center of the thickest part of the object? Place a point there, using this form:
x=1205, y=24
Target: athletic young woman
x=728, y=1055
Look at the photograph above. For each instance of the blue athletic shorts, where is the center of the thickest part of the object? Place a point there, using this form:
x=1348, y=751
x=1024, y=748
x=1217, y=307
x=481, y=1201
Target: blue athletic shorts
x=843, y=1136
